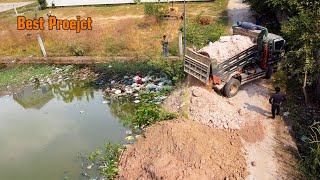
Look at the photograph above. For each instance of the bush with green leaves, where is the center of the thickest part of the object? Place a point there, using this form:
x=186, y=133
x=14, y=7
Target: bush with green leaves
x=43, y=4
x=156, y=10
x=149, y=113
x=174, y=69
x=199, y=35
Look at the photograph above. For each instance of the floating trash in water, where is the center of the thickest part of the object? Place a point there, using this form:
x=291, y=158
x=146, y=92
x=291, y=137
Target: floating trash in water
x=129, y=138
x=105, y=102
x=90, y=166
x=128, y=132
x=81, y=112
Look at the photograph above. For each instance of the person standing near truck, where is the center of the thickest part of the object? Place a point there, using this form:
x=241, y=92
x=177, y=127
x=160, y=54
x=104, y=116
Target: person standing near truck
x=165, y=45
x=276, y=100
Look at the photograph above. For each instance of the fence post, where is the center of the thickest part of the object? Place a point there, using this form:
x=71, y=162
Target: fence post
x=41, y=46
x=180, y=44
x=15, y=9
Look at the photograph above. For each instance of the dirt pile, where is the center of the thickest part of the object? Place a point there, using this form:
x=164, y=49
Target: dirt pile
x=183, y=149
x=227, y=47
x=207, y=108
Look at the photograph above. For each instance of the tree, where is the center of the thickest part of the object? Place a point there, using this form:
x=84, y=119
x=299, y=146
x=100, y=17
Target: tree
x=302, y=33
x=43, y=4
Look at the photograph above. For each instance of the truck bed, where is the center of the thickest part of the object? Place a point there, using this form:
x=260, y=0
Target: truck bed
x=201, y=67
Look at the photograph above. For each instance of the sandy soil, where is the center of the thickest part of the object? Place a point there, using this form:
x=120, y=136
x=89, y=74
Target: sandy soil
x=183, y=149
x=269, y=150
x=8, y=6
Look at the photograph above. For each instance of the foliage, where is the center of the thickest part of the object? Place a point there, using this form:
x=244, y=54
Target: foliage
x=311, y=163
x=107, y=160
x=303, y=35
x=137, y=1
x=77, y=49
x=199, y=35
x=43, y=4
x=15, y=76
x=156, y=10
x=149, y=113
x=53, y=5
x=301, y=31
x=174, y=69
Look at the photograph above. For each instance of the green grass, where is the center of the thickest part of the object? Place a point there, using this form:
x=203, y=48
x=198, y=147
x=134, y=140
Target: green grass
x=16, y=75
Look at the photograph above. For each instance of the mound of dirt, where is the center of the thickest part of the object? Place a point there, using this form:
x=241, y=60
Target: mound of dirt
x=206, y=108
x=227, y=47
x=182, y=149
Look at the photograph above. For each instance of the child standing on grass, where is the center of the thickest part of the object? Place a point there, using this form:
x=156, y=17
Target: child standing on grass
x=165, y=44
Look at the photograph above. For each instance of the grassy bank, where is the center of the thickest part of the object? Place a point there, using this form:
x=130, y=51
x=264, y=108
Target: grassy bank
x=301, y=119
x=118, y=30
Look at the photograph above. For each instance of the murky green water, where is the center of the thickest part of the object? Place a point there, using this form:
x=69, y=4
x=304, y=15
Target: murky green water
x=42, y=129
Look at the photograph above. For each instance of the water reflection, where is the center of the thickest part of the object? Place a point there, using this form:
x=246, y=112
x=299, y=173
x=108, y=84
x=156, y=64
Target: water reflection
x=41, y=131
x=34, y=97
x=37, y=95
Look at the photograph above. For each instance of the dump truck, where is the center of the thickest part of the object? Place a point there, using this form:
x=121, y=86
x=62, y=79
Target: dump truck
x=257, y=61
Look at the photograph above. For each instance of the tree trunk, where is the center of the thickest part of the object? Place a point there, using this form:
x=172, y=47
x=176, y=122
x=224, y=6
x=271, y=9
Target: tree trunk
x=304, y=88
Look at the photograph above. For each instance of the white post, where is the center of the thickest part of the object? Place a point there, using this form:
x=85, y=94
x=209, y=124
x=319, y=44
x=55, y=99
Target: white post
x=42, y=46
x=14, y=7
x=180, y=44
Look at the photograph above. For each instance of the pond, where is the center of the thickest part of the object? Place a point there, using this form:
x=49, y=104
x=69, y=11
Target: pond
x=43, y=129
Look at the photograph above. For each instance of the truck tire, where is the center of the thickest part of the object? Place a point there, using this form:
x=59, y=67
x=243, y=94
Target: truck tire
x=269, y=73
x=231, y=88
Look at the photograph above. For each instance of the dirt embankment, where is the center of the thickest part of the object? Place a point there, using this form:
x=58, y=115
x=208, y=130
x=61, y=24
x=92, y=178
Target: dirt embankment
x=183, y=149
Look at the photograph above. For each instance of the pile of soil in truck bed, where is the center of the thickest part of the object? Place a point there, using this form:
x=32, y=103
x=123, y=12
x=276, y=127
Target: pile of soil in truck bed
x=183, y=149
x=227, y=47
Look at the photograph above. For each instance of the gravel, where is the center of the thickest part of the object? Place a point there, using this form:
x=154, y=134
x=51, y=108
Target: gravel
x=227, y=47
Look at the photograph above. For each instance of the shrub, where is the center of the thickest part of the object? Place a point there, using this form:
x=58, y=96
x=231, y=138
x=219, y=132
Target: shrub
x=43, y=4
x=156, y=10
x=53, y=5
x=174, y=69
x=77, y=50
x=148, y=114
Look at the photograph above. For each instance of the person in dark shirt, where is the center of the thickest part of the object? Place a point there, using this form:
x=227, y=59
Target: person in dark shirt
x=165, y=44
x=276, y=100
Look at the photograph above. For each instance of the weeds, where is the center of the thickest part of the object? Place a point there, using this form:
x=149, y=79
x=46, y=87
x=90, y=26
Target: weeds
x=107, y=160
x=311, y=163
x=174, y=69
x=199, y=35
x=77, y=49
x=156, y=10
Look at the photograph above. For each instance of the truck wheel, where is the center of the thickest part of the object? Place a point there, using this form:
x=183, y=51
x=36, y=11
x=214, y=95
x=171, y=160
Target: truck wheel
x=231, y=88
x=269, y=73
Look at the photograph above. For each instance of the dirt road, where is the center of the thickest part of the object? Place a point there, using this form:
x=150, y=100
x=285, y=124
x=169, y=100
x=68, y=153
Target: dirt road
x=8, y=6
x=239, y=11
x=264, y=143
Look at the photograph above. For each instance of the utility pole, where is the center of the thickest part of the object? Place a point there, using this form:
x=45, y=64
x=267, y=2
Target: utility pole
x=184, y=27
